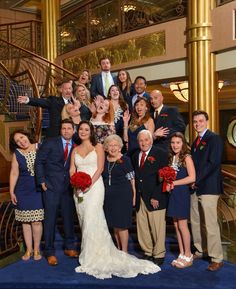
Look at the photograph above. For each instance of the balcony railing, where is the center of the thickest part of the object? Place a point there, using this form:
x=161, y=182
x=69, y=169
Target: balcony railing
x=26, y=34
x=98, y=20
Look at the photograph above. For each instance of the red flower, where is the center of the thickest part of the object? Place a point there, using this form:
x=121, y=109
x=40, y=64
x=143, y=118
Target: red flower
x=81, y=181
x=164, y=114
x=151, y=159
x=167, y=175
x=202, y=144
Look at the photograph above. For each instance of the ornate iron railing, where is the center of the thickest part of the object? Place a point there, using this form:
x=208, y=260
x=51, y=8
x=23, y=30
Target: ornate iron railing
x=26, y=34
x=98, y=20
x=24, y=72
x=10, y=230
x=227, y=207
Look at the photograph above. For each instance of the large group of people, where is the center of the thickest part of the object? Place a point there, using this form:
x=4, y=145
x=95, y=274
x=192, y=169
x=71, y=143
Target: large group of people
x=113, y=130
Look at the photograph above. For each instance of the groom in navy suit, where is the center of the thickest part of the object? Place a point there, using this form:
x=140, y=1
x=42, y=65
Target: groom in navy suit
x=207, y=150
x=52, y=173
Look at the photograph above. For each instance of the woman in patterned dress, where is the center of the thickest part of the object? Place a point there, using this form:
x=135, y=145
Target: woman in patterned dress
x=103, y=119
x=25, y=194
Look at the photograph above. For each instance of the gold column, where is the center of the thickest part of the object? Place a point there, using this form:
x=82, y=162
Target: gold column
x=203, y=92
x=50, y=15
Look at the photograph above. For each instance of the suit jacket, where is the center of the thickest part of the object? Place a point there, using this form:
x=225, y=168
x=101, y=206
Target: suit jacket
x=207, y=160
x=54, y=105
x=50, y=167
x=171, y=118
x=97, y=85
x=130, y=100
x=147, y=181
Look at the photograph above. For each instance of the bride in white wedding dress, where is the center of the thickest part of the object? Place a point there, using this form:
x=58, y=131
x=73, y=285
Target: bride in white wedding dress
x=99, y=257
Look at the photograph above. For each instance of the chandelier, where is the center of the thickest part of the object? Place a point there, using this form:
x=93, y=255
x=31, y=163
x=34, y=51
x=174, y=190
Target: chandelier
x=180, y=89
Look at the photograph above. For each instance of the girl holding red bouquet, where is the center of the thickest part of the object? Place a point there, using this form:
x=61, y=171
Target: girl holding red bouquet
x=179, y=199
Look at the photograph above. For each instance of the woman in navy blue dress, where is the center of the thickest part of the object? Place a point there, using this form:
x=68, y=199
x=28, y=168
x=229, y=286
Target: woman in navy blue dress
x=140, y=119
x=179, y=199
x=25, y=195
x=118, y=177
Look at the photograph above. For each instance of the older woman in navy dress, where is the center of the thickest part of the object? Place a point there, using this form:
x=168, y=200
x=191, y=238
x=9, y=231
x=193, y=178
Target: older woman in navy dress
x=179, y=200
x=25, y=195
x=118, y=176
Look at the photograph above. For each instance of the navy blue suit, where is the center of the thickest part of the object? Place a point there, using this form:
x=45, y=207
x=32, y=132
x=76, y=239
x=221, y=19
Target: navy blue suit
x=207, y=161
x=171, y=118
x=97, y=85
x=147, y=182
x=54, y=172
x=130, y=101
x=54, y=105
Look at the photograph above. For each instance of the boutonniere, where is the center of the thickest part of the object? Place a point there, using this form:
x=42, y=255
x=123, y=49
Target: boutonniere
x=119, y=161
x=151, y=159
x=202, y=145
x=164, y=114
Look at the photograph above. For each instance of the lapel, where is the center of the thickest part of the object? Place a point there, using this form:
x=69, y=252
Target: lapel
x=100, y=83
x=146, y=162
x=203, y=140
x=61, y=148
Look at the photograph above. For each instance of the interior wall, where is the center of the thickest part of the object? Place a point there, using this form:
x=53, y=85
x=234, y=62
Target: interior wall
x=10, y=16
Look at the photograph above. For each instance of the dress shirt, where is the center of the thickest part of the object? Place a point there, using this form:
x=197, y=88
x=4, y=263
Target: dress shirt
x=64, y=144
x=135, y=97
x=140, y=155
x=110, y=79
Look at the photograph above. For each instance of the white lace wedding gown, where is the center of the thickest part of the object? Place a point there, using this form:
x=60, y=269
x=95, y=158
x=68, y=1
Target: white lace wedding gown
x=99, y=257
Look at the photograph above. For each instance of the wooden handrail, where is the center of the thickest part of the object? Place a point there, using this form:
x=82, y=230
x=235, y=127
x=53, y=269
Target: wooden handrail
x=228, y=174
x=20, y=22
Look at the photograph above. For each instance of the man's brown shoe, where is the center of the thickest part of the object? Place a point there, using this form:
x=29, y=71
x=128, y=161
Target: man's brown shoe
x=213, y=266
x=71, y=253
x=52, y=260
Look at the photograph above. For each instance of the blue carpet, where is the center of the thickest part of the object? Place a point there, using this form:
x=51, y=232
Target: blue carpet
x=31, y=274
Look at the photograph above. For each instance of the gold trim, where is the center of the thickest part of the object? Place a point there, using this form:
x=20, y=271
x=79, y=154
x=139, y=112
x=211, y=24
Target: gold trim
x=231, y=133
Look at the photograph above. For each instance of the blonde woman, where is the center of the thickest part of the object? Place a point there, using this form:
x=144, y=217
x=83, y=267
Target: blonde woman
x=83, y=95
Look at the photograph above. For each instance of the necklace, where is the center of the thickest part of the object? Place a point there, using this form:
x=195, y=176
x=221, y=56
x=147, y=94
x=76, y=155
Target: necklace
x=110, y=168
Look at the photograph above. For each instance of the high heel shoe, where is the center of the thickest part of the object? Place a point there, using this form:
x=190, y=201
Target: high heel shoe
x=37, y=256
x=26, y=256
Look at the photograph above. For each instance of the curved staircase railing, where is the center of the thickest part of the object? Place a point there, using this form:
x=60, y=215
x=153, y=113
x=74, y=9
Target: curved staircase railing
x=24, y=72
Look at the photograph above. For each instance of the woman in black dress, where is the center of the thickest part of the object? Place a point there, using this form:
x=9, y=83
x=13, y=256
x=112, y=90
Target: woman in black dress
x=118, y=177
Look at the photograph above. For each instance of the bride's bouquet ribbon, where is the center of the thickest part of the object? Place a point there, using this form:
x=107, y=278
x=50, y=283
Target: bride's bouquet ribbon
x=167, y=175
x=81, y=181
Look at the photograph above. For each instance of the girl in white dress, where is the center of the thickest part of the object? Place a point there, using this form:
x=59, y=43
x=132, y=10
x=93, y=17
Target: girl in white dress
x=99, y=257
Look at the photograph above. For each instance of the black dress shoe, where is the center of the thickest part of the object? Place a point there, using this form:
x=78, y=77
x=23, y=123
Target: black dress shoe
x=149, y=258
x=158, y=261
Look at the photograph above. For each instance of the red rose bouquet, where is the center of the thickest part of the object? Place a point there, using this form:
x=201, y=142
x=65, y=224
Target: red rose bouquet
x=81, y=181
x=167, y=175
